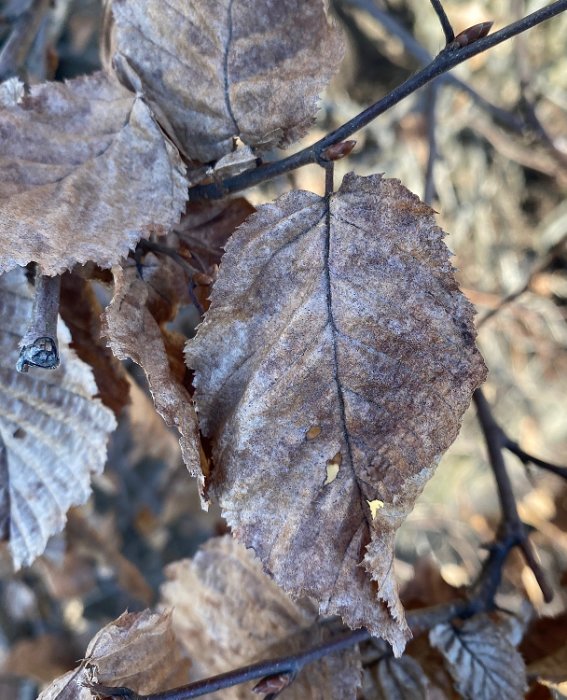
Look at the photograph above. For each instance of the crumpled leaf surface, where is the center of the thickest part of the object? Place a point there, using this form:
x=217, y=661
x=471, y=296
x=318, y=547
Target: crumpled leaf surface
x=483, y=662
x=137, y=650
x=228, y=613
x=230, y=67
x=85, y=172
x=134, y=333
x=331, y=374
x=53, y=432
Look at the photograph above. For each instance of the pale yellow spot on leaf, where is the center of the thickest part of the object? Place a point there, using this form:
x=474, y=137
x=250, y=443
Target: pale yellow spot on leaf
x=375, y=507
x=332, y=471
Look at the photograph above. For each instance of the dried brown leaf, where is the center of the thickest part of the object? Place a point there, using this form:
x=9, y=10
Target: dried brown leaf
x=85, y=172
x=441, y=686
x=552, y=669
x=228, y=613
x=544, y=637
x=396, y=679
x=81, y=311
x=206, y=227
x=545, y=650
x=331, y=374
x=137, y=650
x=134, y=333
x=42, y=658
x=53, y=433
x=483, y=663
x=229, y=68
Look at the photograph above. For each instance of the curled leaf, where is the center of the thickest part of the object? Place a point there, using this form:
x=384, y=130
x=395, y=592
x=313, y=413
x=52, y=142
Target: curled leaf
x=337, y=337
x=230, y=68
x=137, y=650
x=85, y=172
x=133, y=332
x=228, y=613
x=53, y=434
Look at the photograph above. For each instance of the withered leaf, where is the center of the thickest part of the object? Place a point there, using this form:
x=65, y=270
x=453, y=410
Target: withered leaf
x=206, y=227
x=228, y=613
x=137, y=650
x=337, y=336
x=230, y=67
x=81, y=311
x=53, y=433
x=134, y=333
x=483, y=663
x=395, y=679
x=85, y=172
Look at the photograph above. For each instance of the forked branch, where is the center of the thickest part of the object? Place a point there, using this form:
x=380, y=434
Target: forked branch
x=446, y=60
x=511, y=525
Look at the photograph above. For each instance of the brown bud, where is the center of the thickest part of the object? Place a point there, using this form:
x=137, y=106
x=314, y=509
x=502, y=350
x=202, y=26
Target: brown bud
x=273, y=684
x=470, y=35
x=338, y=150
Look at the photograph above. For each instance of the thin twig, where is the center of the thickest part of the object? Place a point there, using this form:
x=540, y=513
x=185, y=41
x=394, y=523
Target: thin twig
x=39, y=343
x=445, y=23
x=445, y=60
x=415, y=49
x=540, y=267
x=480, y=600
x=527, y=458
x=287, y=664
x=527, y=103
x=511, y=524
x=429, y=187
x=512, y=533
x=153, y=247
x=16, y=49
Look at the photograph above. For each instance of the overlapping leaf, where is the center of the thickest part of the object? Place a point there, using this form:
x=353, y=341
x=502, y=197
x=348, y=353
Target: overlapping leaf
x=396, y=679
x=85, y=172
x=229, y=68
x=134, y=333
x=482, y=661
x=227, y=613
x=138, y=650
x=53, y=434
x=331, y=372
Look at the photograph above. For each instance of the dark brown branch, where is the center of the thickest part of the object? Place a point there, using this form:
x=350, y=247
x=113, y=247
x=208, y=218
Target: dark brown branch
x=39, y=344
x=511, y=525
x=445, y=24
x=444, y=61
x=19, y=43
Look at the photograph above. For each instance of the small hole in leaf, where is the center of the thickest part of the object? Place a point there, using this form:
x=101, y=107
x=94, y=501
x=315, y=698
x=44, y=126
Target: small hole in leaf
x=333, y=466
x=375, y=506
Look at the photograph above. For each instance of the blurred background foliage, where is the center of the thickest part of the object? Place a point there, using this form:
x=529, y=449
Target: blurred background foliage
x=488, y=148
